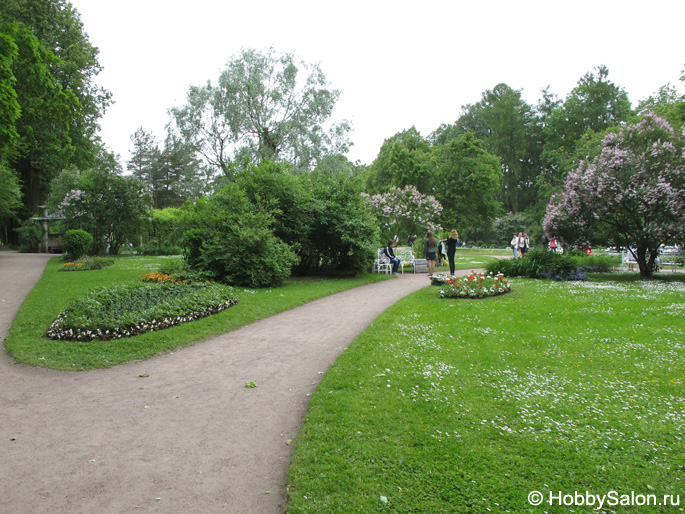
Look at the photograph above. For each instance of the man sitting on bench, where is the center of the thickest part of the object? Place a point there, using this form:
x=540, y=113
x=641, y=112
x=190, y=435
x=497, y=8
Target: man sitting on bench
x=391, y=255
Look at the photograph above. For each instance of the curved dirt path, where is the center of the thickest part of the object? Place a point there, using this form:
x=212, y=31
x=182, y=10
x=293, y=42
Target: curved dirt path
x=178, y=433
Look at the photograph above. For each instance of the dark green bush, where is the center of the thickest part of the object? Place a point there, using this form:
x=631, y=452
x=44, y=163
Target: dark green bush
x=75, y=243
x=596, y=263
x=154, y=249
x=30, y=235
x=232, y=241
x=538, y=264
x=322, y=217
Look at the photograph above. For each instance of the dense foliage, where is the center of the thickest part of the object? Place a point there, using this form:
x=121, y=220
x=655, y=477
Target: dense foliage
x=501, y=156
x=539, y=264
x=76, y=243
x=164, y=232
x=268, y=223
x=126, y=310
x=30, y=235
x=111, y=207
x=49, y=102
x=232, y=241
x=633, y=191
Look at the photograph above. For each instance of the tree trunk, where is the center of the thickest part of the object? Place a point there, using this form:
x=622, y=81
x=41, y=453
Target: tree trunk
x=645, y=261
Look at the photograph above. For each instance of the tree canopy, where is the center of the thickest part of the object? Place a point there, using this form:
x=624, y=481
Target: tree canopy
x=633, y=192
x=265, y=106
x=49, y=102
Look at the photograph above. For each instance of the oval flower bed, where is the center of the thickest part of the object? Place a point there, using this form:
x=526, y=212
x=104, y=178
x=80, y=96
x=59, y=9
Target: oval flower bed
x=127, y=310
x=475, y=285
x=85, y=263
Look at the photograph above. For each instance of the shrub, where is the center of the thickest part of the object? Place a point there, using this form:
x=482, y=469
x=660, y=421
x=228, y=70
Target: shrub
x=539, y=264
x=75, y=244
x=127, y=310
x=233, y=242
x=596, y=263
x=173, y=266
x=30, y=235
x=322, y=217
x=155, y=249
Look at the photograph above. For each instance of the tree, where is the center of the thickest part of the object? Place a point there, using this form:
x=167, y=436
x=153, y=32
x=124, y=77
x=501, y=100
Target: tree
x=111, y=207
x=181, y=176
x=667, y=103
x=594, y=104
x=43, y=146
x=58, y=27
x=399, y=163
x=262, y=109
x=9, y=107
x=509, y=128
x=144, y=162
x=53, y=70
x=10, y=196
x=405, y=211
x=633, y=191
x=467, y=179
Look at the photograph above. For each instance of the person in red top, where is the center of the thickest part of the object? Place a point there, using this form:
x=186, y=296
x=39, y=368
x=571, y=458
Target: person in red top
x=553, y=244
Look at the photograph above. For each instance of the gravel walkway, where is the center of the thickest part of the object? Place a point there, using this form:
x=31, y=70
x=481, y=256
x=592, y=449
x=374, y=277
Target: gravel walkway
x=178, y=433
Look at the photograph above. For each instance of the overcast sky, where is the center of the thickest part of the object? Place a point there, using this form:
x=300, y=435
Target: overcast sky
x=397, y=63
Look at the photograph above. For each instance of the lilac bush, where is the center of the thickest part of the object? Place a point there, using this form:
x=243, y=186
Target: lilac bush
x=633, y=191
x=406, y=211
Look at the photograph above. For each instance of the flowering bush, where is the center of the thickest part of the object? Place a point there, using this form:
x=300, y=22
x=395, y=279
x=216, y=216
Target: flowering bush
x=475, y=285
x=635, y=189
x=406, y=211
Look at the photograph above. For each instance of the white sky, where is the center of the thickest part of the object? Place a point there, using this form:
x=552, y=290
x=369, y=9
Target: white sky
x=397, y=63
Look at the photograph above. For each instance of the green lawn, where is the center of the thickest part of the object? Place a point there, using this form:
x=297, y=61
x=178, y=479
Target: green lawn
x=27, y=343
x=466, y=406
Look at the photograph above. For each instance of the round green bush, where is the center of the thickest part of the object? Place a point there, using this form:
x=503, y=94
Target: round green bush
x=75, y=244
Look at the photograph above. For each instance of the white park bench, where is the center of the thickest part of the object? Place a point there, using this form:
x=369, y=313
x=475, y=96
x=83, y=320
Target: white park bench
x=382, y=263
x=662, y=260
x=628, y=259
x=406, y=256
x=669, y=259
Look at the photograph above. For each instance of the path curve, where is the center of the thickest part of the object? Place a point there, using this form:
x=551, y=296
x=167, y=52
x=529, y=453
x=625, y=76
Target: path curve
x=178, y=433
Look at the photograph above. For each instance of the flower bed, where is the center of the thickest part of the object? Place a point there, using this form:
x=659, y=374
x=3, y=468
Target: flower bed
x=475, y=285
x=127, y=310
x=439, y=279
x=85, y=263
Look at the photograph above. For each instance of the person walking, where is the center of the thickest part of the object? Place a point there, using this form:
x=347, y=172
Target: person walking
x=451, y=244
x=514, y=246
x=430, y=248
x=526, y=244
x=553, y=244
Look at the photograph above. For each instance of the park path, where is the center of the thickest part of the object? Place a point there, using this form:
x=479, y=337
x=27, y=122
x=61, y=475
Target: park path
x=178, y=433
